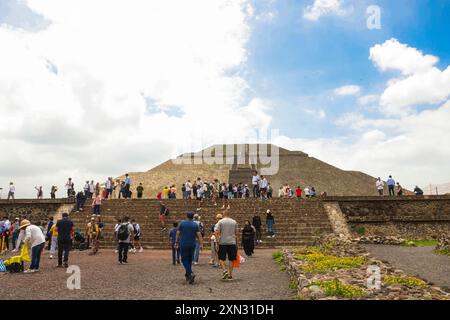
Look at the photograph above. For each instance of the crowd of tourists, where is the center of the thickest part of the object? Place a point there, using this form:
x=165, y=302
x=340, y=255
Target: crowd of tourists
x=394, y=188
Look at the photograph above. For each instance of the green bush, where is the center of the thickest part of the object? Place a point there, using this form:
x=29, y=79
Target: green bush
x=407, y=281
x=319, y=262
x=361, y=231
x=443, y=252
x=419, y=243
x=336, y=288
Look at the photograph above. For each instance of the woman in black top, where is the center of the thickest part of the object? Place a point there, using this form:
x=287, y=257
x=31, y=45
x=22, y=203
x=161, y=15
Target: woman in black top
x=248, y=238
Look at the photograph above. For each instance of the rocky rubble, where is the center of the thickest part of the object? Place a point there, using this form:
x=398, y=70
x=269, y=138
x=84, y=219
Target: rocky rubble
x=443, y=245
x=394, y=284
x=388, y=240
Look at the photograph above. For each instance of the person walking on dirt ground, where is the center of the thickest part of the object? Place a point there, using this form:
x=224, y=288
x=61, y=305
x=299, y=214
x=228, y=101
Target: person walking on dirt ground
x=136, y=236
x=48, y=235
x=227, y=232
x=201, y=227
x=215, y=243
x=187, y=233
x=172, y=244
x=64, y=228
x=248, y=238
x=256, y=222
x=163, y=212
x=116, y=229
x=124, y=234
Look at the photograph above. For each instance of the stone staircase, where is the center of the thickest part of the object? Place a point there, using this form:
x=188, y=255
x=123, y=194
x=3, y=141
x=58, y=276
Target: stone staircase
x=241, y=173
x=297, y=222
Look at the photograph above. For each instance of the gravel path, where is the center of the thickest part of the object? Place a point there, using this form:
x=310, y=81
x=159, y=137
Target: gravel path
x=421, y=261
x=149, y=275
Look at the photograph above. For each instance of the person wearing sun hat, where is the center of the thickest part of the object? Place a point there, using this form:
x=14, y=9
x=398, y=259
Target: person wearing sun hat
x=36, y=238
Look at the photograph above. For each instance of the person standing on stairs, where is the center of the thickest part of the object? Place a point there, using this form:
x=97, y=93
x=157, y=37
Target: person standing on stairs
x=270, y=221
x=96, y=204
x=163, y=211
x=255, y=183
x=256, y=222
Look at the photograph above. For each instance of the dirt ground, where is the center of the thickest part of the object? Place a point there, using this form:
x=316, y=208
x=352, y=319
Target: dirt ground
x=149, y=275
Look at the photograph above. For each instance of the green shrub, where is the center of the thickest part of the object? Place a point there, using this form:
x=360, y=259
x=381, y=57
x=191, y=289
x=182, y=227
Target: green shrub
x=361, y=231
x=407, y=281
x=319, y=263
x=336, y=288
x=419, y=243
x=443, y=252
x=278, y=257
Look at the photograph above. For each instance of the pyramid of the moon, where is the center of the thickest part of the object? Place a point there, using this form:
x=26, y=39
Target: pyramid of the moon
x=235, y=163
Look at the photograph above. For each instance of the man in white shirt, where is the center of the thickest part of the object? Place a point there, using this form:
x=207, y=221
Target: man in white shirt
x=188, y=186
x=380, y=186
x=263, y=187
x=255, y=183
x=12, y=190
x=69, y=187
x=36, y=238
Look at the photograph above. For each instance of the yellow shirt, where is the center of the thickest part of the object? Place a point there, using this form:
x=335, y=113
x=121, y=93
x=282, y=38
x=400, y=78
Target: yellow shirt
x=54, y=231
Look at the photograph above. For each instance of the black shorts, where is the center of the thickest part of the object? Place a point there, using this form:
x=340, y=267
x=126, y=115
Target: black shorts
x=229, y=250
x=136, y=238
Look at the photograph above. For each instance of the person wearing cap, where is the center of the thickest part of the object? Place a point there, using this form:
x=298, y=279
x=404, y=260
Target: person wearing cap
x=64, y=229
x=188, y=232
x=36, y=238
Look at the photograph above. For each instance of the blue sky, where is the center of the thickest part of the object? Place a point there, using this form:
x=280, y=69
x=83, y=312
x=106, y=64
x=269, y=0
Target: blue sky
x=176, y=76
x=294, y=62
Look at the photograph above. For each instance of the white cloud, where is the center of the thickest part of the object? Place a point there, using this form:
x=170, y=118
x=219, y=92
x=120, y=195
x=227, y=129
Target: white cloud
x=421, y=82
x=321, y=8
x=368, y=99
x=349, y=90
x=91, y=118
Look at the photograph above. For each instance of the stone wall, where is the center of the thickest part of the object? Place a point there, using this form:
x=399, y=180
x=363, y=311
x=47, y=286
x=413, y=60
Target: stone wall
x=407, y=217
x=37, y=211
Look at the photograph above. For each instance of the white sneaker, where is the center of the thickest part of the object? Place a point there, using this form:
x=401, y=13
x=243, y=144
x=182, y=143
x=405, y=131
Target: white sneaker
x=116, y=251
x=134, y=250
x=51, y=257
x=141, y=249
x=195, y=263
x=29, y=271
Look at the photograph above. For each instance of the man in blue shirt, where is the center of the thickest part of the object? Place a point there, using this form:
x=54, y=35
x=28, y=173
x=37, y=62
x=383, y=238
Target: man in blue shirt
x=172, y=244
x=391, y=185
x=187, y=232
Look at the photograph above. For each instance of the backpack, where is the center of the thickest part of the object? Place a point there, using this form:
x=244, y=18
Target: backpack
x=122, y=233
x=202, y=229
